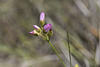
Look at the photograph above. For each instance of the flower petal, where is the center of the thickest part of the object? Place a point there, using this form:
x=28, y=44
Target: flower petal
x=42, y=16
x=36, y=27
x=47, y=27
x=31, y=32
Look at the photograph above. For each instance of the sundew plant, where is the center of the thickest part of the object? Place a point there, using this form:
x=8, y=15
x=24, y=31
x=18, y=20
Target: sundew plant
x=45, y=31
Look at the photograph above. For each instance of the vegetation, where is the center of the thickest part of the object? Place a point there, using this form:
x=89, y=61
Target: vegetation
x=80, y=18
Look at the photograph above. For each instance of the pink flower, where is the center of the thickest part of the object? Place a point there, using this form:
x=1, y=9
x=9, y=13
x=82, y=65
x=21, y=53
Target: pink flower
x=33, y=32
x=42, y=16
x=47, y=27
x=36, y=27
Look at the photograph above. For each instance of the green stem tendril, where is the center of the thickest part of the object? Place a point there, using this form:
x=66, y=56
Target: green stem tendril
x=69, y=49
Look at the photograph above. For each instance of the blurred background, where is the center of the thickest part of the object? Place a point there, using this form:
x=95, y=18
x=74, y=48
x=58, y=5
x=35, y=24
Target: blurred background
x=81, y=18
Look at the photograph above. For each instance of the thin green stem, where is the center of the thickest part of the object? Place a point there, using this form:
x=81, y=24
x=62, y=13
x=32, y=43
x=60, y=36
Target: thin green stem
x=56, y=52
x=69, y=49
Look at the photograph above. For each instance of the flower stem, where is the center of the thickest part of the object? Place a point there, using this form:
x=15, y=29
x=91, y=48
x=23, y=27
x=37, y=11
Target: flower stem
x=56, y=52
x=69, y=49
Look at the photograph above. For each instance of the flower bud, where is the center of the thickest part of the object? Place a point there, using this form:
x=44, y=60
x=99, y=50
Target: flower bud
x=36, y=27
x=47, y=27
x=31, y=32
x=42, y=18
x=34, y=32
